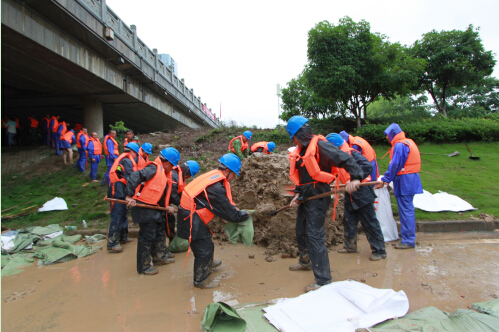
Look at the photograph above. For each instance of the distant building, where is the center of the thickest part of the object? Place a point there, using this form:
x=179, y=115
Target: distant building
x=169, y=62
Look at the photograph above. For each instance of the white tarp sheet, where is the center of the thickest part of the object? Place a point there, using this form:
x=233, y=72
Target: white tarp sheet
x=441, y=201
x=384, y=214
x=8, y=240
x=340, y=306
x=54, y=204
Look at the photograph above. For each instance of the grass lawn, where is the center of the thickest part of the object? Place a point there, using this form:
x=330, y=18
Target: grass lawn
x=28, y=189
x=475, y=181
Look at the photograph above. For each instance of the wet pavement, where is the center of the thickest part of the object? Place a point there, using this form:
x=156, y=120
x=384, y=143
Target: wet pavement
x=104, y=292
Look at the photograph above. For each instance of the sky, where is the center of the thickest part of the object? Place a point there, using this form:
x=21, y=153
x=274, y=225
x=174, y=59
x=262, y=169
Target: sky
x=233, y=54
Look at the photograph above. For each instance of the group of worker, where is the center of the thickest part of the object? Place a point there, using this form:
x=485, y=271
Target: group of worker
x=315, y=163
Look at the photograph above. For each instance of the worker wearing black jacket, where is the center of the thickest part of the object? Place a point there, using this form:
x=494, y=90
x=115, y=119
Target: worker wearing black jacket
x=360, y=206
x=310, y=233
x=155, y=191
x=202, y=208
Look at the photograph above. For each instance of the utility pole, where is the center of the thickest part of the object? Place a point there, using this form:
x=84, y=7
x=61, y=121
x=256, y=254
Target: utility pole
x=278, y=104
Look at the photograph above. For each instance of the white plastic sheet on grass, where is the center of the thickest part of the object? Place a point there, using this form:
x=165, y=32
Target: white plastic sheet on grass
x=54, y=204
x=441, y=201
x=340, y=306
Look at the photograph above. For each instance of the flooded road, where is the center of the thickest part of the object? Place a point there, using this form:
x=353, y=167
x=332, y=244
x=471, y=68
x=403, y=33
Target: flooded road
x=103, y=292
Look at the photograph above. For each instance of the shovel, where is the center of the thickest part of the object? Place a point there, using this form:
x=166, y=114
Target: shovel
x=453, y=154
x=145, y=206
x=288, y=190
x=471, y=153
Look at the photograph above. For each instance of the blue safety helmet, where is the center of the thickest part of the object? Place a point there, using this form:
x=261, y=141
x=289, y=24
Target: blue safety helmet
x=193, y=167
x=147, y=147
x=133, y=146
x=232, y=162
x=271, y=146
x=248, y=134
x=336, y=139
x=345, y=136
x=170, y=154
x=294, y=124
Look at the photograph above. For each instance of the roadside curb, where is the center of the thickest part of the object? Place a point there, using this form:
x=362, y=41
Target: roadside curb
x=456, y=226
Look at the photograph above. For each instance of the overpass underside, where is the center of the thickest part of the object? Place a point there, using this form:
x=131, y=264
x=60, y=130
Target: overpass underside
x=71, y=71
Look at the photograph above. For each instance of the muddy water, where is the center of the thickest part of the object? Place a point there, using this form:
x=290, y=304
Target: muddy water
x=103, y=292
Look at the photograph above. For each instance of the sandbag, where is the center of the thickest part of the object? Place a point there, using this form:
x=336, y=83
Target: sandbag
x=221, y=317
x=178, y=244
x=384, y=213
x=242, y=231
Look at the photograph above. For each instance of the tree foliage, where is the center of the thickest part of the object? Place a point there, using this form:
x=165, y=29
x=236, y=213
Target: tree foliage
x=453, y=59
x=400, y=106
x=351, y=67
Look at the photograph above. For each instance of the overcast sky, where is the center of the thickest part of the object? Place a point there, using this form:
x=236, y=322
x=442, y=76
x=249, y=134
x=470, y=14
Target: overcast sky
x=234, y=54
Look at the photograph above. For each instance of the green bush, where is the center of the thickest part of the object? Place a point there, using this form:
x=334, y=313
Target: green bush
x=439, y=130
x=278, y=135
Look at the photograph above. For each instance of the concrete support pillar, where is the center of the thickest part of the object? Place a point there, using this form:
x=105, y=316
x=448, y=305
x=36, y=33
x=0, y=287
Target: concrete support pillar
x=93, y=116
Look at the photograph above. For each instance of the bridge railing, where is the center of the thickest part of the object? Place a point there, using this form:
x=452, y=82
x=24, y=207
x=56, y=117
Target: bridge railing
x=153, y=67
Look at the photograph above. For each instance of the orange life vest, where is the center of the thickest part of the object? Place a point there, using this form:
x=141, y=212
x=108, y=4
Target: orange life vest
x=126, y=142
x=413, y=162
x=152, y=190
x=258, y=145
x=244, y=146
x=78, y=144
x=56, y=124
x=77, y=127
x=97, y=146
x=68, y=136
x=34, y=122
x=116, y=152
x=310, y=161
x=367, y=150
x=17, y=124
x=343, y=175
x=113, y=177
x=64, y=128
x=142, y=161
x=181, y=184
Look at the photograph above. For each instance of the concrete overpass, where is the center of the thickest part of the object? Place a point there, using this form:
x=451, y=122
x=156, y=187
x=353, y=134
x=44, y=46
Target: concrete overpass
x=56, y=59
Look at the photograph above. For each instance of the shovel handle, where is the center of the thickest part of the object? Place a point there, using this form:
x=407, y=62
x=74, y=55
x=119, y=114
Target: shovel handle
x=471, y=153
x=145, y=206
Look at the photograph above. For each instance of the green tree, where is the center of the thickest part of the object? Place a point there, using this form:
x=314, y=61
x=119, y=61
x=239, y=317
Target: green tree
x=352, y=67
x=400, y=106
x=453, y=59
x=299, y=99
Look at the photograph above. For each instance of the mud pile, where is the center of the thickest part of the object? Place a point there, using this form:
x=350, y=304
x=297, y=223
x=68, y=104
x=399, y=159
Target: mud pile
x=259, y=188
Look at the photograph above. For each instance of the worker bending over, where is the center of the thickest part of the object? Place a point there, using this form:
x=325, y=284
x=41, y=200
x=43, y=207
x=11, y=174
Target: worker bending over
x=239, y=145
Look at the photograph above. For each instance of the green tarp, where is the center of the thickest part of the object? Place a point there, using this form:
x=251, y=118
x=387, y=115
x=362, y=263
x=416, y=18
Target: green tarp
x=242, y=231
x=221, y=317
x=431, y=319
x=489, y=308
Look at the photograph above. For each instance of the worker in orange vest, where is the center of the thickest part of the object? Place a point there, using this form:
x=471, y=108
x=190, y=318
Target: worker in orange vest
x=45, y=129
x=119, y=174
x=264, y=147
x=53, y=124
x=33, y=129
x=361, y=145
x=111, y=151
x=144, y=152
x=66, y=140
x=62, y=128
x=310, y=165
x=359, y=206
x=82, y=140
x=152, y=186
x=239, y=145
x=94, y=149
x=203, y=198
x=130, y=138
x=403, y=170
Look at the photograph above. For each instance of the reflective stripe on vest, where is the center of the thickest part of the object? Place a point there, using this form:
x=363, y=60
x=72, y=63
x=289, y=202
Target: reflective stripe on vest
x=113, y=176
x=153, y=189
x=97, y=146
x=413, y=162
x=116, y=152
x=262, y=145
x=244, y=146
x=68, y=136
x=310, y=161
